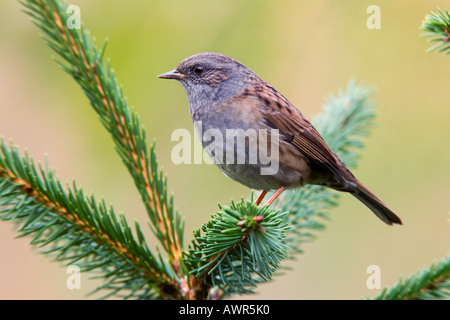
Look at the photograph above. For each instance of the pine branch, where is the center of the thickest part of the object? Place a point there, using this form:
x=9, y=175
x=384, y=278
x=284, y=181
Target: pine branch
x=430, y=283
x=437, y=27
x=84, y=61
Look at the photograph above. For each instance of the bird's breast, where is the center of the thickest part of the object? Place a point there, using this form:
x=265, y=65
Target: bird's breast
x=246, y=149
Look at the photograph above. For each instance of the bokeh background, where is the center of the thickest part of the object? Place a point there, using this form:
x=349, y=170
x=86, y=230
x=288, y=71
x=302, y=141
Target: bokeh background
x=307, y=50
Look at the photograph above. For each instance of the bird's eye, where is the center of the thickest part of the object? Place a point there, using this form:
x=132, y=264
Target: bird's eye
x=198, y=70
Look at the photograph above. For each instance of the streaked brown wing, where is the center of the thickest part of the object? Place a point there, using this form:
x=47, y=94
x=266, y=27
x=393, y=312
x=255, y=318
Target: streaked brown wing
x=295, y=129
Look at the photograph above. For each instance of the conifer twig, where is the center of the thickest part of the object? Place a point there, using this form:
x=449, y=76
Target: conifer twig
x=84, y=61
x=437, y=27
x=430, y=283
x=75, y=229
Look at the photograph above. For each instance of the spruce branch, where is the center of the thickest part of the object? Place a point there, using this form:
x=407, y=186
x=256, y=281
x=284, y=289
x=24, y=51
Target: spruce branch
x=240, y=247
x=437, y=27
x=430, y=283
x=84, y=61
x=75, y=229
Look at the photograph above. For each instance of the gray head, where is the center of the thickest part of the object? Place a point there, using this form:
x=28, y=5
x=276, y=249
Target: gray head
x=210, y=78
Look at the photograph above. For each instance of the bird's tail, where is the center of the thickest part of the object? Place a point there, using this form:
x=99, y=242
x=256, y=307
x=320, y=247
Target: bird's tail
x=377, y=206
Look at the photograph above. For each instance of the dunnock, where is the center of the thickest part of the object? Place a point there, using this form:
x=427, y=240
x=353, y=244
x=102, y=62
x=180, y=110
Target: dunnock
x=224, y=94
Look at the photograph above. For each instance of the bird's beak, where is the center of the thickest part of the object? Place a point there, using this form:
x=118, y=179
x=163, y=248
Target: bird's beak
x=174, y=74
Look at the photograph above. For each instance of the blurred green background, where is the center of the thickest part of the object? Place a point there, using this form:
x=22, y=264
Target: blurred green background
x=307, y=50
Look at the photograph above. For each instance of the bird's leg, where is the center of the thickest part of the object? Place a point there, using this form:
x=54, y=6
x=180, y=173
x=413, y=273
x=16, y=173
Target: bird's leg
x=275, y=195
x=261, y=197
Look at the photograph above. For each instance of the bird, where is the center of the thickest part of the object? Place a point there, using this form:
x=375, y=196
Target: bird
x=224, y=94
